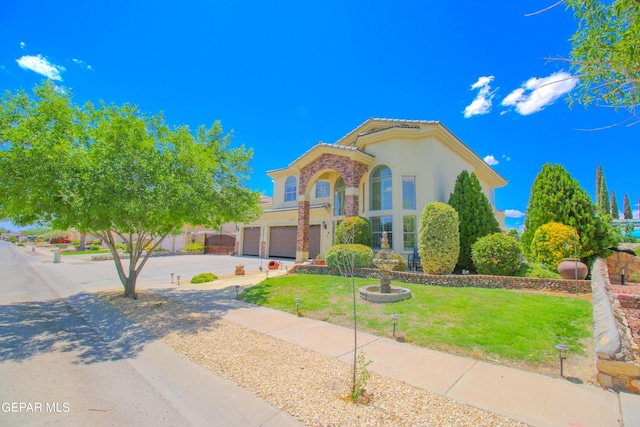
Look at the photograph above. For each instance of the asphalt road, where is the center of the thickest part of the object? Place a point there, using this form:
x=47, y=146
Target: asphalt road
x=57, y=370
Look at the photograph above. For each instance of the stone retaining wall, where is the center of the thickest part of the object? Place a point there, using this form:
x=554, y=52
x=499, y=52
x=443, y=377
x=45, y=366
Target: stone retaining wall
x=458, y=281
x=616, y=361
x=619, y=261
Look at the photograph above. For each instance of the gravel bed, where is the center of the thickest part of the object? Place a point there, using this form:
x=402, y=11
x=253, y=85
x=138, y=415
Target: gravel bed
x=311, y=387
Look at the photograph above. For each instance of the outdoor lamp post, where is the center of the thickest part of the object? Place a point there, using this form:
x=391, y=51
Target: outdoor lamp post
x=178, y=280
x=298, y=306
x=171, y=278
x=237, y=291
x=395, y=318
x=562, y=354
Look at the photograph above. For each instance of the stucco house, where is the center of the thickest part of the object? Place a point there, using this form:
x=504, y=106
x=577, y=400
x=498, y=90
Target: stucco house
x=386, y=170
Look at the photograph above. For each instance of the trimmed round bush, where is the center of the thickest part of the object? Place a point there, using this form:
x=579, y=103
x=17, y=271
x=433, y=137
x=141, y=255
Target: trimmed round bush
x=204, y=278
x=497, y=255
x=552, y=242
x=94, y=248
x=539, y=271
x=356, y=226
x=439, y=234
x=362, y=255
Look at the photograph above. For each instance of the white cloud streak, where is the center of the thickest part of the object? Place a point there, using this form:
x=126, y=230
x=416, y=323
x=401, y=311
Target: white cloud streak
x=482, y=103
x=513, y=213
x=82, y=64
x=490, y=160
x=40, y=65
x=537, y=93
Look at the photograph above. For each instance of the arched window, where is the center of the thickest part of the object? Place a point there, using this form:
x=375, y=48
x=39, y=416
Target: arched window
x=339, y=197
x=380, y=189
x=290, y=189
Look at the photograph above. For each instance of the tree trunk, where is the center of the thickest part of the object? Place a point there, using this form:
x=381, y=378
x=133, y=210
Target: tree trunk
x=83, y=238
x=130, y=287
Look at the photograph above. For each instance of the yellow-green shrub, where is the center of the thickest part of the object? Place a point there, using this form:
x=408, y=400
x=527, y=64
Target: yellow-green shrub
x=439, y=234
x=354, y=228
x=552, y=242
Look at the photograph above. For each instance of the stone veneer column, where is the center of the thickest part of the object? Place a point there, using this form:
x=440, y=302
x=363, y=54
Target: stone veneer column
x=302, y=238
x=351, y=201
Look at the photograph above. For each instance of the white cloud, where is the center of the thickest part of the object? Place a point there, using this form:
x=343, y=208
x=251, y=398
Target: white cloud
x=513, y=213
x=490, y=160
x=507, y=158
x=537, y=93
x=23, y=45
x=40, y=65
x=482, y=103
x=82, y=64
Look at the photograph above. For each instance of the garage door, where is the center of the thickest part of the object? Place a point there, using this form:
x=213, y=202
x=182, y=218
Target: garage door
x=251, y=241
x=282, y=241
x=314, y=241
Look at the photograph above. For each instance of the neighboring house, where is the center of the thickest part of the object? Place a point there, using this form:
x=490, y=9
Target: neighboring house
x=385, y=170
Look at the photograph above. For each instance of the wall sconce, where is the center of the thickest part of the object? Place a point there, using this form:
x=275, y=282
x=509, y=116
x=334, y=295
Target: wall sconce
x=395, y=318
x=562, y=354
x=237, y=228
x=324, y=224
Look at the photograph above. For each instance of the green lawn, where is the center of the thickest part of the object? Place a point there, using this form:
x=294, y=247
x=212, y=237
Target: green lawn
x=99, y=251
x=484, y=323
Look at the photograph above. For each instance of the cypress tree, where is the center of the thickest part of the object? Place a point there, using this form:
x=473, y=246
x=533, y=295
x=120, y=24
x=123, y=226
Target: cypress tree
x=475, y=214
x=602, y=193
x=556, y=196
x=615, y=214
x=626, y=210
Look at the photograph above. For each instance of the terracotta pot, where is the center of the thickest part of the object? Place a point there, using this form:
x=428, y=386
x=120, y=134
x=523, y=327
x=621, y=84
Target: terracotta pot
x=567, y=269
x=239, y=270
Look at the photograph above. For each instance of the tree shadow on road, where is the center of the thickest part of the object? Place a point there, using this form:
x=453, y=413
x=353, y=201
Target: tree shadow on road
x=80, y=324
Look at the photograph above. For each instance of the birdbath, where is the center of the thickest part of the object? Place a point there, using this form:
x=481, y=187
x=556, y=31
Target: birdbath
x=385, y=263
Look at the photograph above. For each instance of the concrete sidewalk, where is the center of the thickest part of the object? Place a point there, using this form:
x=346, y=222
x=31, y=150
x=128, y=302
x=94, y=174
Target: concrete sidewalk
x=523, y=396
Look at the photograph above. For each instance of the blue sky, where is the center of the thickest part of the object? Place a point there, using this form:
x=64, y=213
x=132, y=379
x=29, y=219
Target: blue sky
x=285, y=75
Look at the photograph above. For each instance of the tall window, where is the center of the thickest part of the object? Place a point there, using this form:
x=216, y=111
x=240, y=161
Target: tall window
x=380, y=224
x=380, y=189
x=323, y=189
x=290, y=189
x=408, y=192
x=409, y=233
x=339, y=197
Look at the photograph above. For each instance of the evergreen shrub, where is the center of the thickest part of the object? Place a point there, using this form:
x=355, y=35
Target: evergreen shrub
x=497, y=255
x=362, y=255
x=356, y=226
x=552, y=242
x=439, y=238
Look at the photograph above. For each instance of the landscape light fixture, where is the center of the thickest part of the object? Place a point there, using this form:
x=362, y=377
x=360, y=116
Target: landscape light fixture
x=178, y=280
x=562, y=354
x=395, y=318
x=267, y=271
x=298, y=300
x=171, y=278
x=237, y=291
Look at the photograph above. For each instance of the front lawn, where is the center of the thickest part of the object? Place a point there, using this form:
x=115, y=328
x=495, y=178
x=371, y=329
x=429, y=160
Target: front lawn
x=87, y=252
x=484, y=323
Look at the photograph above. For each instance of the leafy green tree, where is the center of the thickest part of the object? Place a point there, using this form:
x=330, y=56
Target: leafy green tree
x=497, y=254
x=475, y=214
x=556, y=196
x=605, y=55
x=439, y=238
x=626, y=210
x=602, y=193
x=116, y=173
x=615, y=214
